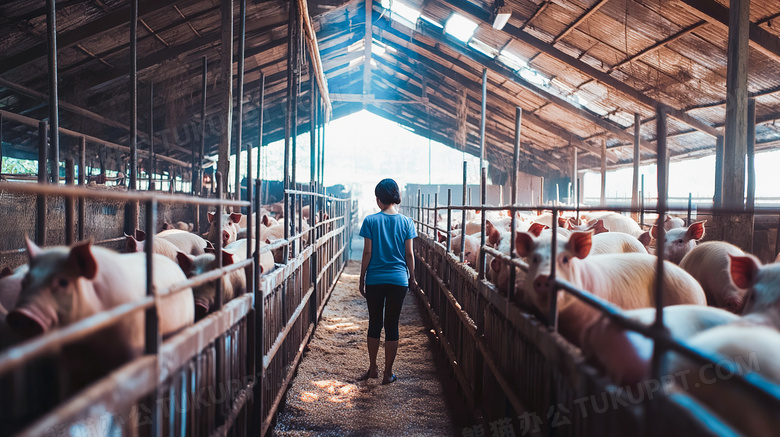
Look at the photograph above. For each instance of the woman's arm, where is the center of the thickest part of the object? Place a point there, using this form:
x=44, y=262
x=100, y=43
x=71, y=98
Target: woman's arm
x=364, y=265
x=410, y=262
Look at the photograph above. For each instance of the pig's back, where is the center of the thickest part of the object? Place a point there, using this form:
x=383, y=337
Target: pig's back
x=615, y=242
x=627, y=279
x=186, y=242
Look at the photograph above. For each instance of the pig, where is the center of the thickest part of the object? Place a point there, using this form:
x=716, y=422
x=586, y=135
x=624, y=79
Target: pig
x=229, y=229
x=625, y=279
x=620, y=223
x=243, y=223
x=709, y=263
x=233, y=284
x=679, y=241
x=615, y=242
x=597, y=226
x=161, y=245
x=751, y=344
x=471, y=249
x=178, y=225
x=626, y=356
x=673, y=223
x=67, y=284
x=749, y=350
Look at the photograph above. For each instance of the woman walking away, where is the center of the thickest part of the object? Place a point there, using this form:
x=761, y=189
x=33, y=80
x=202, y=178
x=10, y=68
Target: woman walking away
x=386, y=273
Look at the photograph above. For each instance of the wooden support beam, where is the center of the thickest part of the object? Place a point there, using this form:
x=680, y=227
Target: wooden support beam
x=751, y=155
x=635, y=176
x=737, y=228
x=603, y=198
x=717, y=198
x=461, y=131
x=660, y=44
x=713, y=12
x=226, y=100
x=310, y=37
x=371, y=99
x=580, y=20
x=497, y=67
x=573, y=198
x=467, y=83
x=478, y=14
x=107, y=22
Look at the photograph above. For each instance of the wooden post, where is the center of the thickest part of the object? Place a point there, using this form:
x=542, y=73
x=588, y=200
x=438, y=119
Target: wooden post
x=260, y=126
x=637, y=158
x=240, y=132
x=152, y=163
x=573, y=196
x=482, y=121
x=82, y=183
x=54, y=105
x=737, y=228
x=603, y=198
x=226, y=114
x=132, y=209
x=717, y=198
x=288, y=114
x=40, y=222
x=751, y=155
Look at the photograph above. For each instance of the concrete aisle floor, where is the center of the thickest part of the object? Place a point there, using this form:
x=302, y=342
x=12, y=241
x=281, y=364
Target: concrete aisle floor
x=325, y=399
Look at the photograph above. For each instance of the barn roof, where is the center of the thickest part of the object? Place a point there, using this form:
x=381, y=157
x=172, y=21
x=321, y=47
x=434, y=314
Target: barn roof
x=579, y=69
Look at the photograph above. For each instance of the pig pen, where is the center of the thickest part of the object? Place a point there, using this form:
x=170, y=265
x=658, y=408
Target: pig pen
x=226, y=373
x=515, y=369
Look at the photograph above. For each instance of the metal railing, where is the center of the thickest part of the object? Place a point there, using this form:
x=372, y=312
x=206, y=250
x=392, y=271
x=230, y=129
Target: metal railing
x=506, y=357
x=247, y=345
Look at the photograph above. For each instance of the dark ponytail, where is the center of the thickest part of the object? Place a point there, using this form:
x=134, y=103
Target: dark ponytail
x=387, y=192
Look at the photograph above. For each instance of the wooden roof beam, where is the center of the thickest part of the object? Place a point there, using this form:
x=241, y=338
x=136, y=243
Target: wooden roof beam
x=112, y=20
x=580, y=20
x=715, y=13
x=470, y=85
x=481, y=15
x=504, y=71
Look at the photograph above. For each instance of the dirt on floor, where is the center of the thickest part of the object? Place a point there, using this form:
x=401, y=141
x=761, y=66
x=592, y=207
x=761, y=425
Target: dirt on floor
x=326, y=400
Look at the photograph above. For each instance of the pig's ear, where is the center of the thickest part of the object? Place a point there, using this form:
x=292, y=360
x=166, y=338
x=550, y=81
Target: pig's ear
x=744, y=270
x=227, y=258
x=236, y=217
x=654, y=232
x=185, y=261
x=569, y=223
x=82, y=260
x=265, y=220
x=598, y=227
x=537, y=228
x=525, y=244
x=131, y=245
x=489, y=227
x=644, y=238
x=6, y=272
x=562, y=222
x=32, y=249
x=209, y=247
x=210, y=216
x=495, y=264
x=579, y=244
x=695, y=230
x=140, y=235
x=494, y=237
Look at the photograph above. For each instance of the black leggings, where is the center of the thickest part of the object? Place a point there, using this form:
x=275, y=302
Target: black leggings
x=391, y=298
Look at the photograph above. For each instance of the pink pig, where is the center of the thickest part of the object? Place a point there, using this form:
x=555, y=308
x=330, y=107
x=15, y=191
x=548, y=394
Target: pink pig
x=679, y=241
x=625, y=279
x=229, y=231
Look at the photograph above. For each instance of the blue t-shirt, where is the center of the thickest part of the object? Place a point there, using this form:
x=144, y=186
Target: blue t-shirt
x=388, y=234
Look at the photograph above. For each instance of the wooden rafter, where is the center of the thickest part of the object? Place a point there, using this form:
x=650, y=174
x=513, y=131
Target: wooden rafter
x=580, y=20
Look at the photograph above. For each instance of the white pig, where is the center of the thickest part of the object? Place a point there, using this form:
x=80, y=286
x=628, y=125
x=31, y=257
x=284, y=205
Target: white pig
x=615, y=242
x=625, y=279
x=229, y=229
x=709, y=263
x=67, y=284
x=679, y=241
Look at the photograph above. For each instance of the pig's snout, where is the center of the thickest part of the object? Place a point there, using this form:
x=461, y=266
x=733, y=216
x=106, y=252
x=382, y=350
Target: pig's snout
x=28, y=322
x=733, y=304
x=542, y=284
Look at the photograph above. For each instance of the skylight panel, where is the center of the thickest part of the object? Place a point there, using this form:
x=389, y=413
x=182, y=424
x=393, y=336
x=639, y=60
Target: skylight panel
x=358, y=45
x=356, y=61
x=483, y=48
x=378, y=50
x=534, y=77
x=460, y=27
x=401, y=10
x=512, y=61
